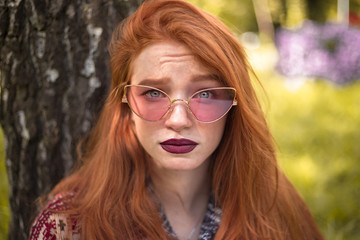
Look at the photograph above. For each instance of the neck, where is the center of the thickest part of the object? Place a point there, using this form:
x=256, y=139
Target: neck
x=185, y=187
x=184, y=196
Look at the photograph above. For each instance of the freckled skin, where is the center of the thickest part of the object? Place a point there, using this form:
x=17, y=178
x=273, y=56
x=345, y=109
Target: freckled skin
x=176, y=68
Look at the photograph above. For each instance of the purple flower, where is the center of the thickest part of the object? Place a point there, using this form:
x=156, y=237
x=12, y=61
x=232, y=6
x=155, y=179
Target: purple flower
x=328, y=51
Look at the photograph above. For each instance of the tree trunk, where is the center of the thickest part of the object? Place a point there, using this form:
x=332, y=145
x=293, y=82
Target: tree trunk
x=54, y=75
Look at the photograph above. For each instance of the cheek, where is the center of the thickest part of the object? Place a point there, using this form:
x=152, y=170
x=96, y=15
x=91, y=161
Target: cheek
x=138, y=128
x=145, y=131
x=213, y=133
x=220, y=127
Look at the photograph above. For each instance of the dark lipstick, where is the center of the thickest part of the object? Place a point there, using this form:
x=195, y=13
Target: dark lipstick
x=178, y=146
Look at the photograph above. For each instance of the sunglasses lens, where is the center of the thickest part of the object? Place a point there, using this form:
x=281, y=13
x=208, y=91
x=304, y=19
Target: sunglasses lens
x=148, y=103
x=211, y=104
x=207, y=105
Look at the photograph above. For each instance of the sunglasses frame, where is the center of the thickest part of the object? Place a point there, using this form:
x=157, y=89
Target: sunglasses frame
x=172, y=101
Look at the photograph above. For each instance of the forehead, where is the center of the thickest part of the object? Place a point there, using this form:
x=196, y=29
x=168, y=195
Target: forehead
x=165, y=49
x=167, y=60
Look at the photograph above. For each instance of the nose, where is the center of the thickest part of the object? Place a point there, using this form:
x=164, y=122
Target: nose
x=179, y=117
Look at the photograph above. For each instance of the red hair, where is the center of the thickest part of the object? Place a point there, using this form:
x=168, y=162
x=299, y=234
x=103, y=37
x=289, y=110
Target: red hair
x=112, y=201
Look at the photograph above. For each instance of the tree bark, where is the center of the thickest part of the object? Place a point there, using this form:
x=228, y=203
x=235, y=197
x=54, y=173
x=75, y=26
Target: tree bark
x=54, y=75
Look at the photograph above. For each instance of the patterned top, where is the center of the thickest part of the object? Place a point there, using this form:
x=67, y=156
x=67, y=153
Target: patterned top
x=53, y=226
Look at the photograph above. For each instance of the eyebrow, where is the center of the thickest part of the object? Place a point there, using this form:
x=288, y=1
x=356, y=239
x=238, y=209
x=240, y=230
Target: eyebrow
x=205, y=77
x=154, y=81
x=162, y=81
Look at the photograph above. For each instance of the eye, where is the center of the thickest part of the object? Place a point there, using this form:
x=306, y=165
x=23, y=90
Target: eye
x=154, y=93
x=204, y=94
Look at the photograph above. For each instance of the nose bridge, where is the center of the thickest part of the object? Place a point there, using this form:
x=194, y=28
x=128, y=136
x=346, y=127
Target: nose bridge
x=178, y=116
x=184, y=109
x=178, y=100
x=173, y=105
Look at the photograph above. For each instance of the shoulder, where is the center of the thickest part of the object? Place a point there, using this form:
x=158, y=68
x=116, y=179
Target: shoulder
x=50, y=224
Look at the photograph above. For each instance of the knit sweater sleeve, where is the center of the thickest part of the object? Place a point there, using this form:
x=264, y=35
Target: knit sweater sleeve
x=51, y=225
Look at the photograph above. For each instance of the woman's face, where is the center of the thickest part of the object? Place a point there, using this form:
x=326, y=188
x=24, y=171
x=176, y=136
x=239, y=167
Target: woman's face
x=178, y=141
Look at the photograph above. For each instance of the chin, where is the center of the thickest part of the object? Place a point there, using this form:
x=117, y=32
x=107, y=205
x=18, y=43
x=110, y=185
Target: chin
x=180, y=168
x=180, y=164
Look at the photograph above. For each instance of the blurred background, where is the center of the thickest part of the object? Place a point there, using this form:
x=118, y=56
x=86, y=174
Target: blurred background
x=306, y=54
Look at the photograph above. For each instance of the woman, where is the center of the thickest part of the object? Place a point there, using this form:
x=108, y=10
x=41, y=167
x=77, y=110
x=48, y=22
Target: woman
x=181, y=149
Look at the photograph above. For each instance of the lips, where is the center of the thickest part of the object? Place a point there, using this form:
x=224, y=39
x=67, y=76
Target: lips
x=178, y=146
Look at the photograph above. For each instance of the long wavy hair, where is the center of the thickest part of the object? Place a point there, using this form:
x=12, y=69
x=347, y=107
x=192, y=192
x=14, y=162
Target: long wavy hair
x=112, y=200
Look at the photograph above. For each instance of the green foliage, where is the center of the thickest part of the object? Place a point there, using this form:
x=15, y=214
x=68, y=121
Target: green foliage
x=355, y=6
x=239, y=16
x=4, y=193
x=317, y=129
x=232, y=13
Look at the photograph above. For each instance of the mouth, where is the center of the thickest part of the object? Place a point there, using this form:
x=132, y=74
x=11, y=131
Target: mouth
x=178, y=146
